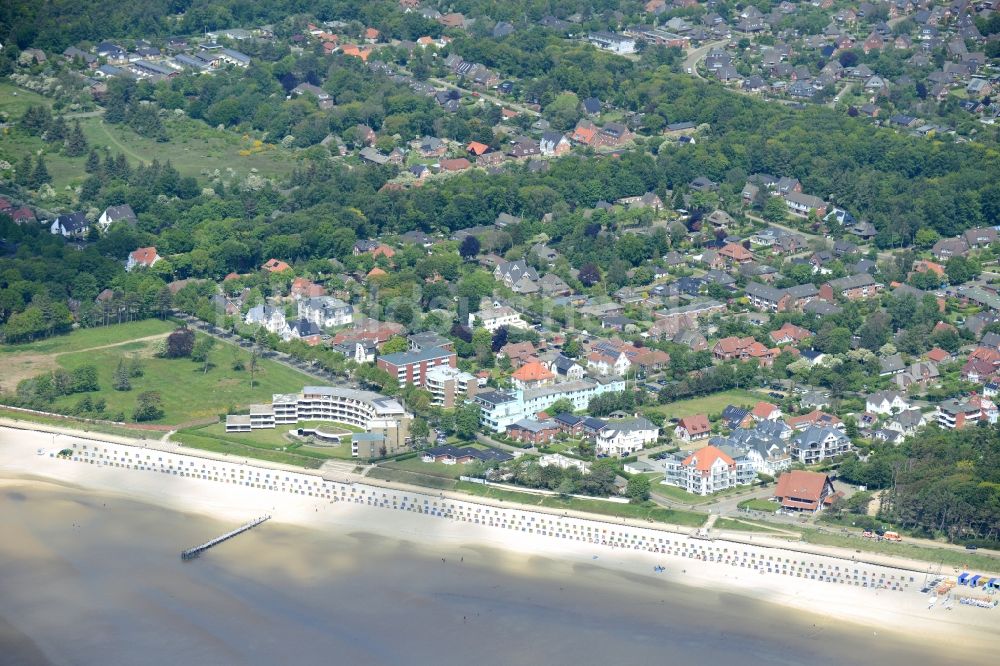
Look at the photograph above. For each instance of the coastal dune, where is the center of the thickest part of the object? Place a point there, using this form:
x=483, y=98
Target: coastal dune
x=388, y=535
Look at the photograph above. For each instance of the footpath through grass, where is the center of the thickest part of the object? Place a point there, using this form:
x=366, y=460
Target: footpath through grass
x=87, y=338
x=188, y=392
x=746, y=526
x=635, y=511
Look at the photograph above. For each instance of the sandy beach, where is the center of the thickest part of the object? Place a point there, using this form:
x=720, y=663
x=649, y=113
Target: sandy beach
x=891, y=617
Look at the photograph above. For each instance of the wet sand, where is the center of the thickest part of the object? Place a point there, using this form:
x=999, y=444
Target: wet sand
x=90, y=578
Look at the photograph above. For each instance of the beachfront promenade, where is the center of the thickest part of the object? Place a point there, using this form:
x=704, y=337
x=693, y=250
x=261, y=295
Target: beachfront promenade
x=602, y=535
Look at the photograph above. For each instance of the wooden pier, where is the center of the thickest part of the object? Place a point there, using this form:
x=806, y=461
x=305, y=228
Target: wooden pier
x=192, y=553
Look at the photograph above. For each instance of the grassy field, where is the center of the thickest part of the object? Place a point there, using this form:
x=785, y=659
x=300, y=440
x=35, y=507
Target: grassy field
x=639, y=512
x=276, y=439
x=86, y=338
x=188, y=392
x=744, y=526
x=412, y=478
x=947, y=558
x=233, y=447
x=14, y=100
x=194, y=148
x=77, y=424
x=709, y=404
x=418, y=466
x=31, y=359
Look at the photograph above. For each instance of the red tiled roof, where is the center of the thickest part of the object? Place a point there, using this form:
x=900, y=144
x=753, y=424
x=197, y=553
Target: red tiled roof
x=144, y=255
x=455, y=165
x=763, y=409
x=695, y=425
x=532, y=372
x=276, y=266
x=703, y=459
x=736, y=251
x=733, y=344
x=938, y=355
x=477, y=148
x=801, y=485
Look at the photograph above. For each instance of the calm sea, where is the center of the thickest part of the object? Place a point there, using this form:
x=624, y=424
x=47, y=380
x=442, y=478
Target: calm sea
x=85, y=579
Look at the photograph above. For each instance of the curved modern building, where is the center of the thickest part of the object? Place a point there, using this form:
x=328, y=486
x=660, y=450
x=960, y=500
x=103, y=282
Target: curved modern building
x=375, y=413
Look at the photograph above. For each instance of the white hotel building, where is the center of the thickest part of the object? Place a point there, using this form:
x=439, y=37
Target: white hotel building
x=375, y=413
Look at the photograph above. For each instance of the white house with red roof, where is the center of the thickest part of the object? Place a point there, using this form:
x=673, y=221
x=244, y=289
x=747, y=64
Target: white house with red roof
x=693, y=428
x=532, y=375
x=144, y=257
x=765, y=411
x=709, y=470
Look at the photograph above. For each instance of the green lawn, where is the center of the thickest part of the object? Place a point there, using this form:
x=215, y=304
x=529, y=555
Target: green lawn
x=275, y=438
x=412, y=478
x=744, y=526
x=14, y=100
x=418, y=466
x=640, y=512
x=709, y=404
x=675, y=493
x=295, y=456
x=946, y=557
x=86, y=338
x=188, y=393
x=78, y=425
x=760, y=505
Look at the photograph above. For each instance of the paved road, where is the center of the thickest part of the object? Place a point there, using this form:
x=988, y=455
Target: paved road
x=304, y=367
x=487, y=96
x=694, y=56
x=840, y=94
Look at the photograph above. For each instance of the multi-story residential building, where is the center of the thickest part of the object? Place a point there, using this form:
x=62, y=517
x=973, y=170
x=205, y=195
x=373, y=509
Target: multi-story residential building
x=498, y=409
x=271, y=318
x=512, y=272
x=608, y=363
x=326, y=311
x=765, y=446
x=766, y=297
x=609, y=41
x=815, y=444
x=449, y=386
x=852, y=287
x=532, y=375
x=382, y=418
x=960, y=413
x=494, y=318
x=532, y=431
x=708, y=470
x=622, y=438
x=745, y=349
x=410, y=367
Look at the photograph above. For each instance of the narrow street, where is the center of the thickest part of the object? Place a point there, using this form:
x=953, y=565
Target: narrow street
x=694, y=56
